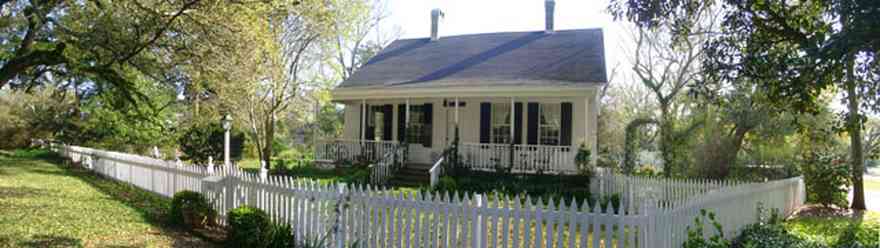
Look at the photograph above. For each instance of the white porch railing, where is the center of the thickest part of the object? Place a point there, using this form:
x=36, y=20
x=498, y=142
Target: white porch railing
x=339, y=150
x=526, y=158
x=385, y=168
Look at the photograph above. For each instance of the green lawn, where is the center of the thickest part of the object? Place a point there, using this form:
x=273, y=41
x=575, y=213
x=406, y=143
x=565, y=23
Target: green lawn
x=44, y=204
x=872, y=185
x=829, y=229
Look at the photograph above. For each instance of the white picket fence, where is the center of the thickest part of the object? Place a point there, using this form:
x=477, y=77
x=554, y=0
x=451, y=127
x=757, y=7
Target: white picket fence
x=378, y=217
x=635, y=190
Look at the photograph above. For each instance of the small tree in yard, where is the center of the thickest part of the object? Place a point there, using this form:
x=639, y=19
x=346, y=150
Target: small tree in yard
x=201, y=141
x=827, y=178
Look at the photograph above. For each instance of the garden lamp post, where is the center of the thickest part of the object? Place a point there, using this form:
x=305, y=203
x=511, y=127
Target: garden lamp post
x=227, y=125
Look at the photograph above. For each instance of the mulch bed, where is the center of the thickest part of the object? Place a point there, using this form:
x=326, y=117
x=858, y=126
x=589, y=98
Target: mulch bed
x=816, y=210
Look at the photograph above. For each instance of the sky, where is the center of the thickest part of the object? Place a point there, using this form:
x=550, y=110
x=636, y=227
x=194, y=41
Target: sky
x=489, y=16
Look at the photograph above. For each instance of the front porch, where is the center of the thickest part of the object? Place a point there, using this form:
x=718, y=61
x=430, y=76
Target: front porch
x=520, y=130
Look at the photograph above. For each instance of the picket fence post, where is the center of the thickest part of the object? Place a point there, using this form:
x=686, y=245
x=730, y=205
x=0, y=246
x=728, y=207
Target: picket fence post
x=648, y=223
x=478, y=220
x=210, y=165
x=264, y=173
x=340, y=208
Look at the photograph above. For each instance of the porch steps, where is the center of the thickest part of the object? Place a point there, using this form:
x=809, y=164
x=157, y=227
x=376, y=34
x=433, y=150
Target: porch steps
x=412, y=175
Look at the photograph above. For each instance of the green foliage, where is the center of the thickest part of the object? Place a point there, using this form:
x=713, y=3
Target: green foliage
x=282, y=236
x=695, y=233
x=249, y=227
x=193, y=207
x=839, y=231
x=630, y=146
x=583, y=162
x=200, y=141
x=446, y=184
x=610, y=203
x=534, y=185
x=826, y=177
x=771, y=236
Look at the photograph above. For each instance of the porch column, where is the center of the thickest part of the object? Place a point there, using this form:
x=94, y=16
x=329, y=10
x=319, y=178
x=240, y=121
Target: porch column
x=456, y=140
x=512, y=128
x=512, y=121
x=363, y=120
x=407, y=114
x=456, y=112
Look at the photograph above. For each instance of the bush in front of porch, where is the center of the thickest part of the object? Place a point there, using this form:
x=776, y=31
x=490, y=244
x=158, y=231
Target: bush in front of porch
x=306, y=169
x=543, y=186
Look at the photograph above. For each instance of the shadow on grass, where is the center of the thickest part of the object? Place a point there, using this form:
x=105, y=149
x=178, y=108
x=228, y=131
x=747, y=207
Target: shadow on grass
x=152, y=207
x=21, y=192
x=51, y=241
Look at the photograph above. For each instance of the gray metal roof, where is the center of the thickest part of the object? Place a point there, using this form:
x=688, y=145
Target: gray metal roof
x=565, y=57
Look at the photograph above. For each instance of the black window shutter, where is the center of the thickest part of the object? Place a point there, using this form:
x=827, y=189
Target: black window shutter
x=387, y=111
x=371, y=127
x=428, y=113
x=485, y=121
x=532, y=122
x=565, y=133
x=401, y=122
x=517, y=123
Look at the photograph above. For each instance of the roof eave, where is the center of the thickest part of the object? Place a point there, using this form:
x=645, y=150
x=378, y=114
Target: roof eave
x=379, y=92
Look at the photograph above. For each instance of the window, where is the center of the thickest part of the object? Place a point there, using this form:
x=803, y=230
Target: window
x=500, y=123
x=549, y=124
x=418, y=132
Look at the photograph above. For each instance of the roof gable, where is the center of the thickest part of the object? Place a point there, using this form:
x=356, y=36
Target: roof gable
x=564, y=57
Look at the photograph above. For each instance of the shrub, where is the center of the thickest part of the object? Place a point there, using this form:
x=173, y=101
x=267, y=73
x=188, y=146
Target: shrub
x=612, y=201
x=695, y=233
x=282, y=236
x=582, y=160
x=249, y=227
x=826, y=178
x=446, y=183
x=191, y=209
x=358, y=176
x=770, y=236
x=203, y=140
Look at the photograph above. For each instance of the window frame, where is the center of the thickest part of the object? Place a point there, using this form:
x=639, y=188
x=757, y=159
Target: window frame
x=503, y=137
x=418, y=132
x=546, y=127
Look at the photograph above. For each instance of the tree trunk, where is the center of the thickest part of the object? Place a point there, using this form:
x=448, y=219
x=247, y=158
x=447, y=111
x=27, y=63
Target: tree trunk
x=728, y=159
x=854, y=127
x=269, y=136
x=666, y=140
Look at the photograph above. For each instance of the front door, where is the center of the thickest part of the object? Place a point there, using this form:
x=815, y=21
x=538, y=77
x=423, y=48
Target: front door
x=420, y=134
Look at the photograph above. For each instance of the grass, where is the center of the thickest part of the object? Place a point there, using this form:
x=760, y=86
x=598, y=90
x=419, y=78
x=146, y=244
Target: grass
x=829, y=230
x=872, y=184
x=321, y=175
x=46, y=204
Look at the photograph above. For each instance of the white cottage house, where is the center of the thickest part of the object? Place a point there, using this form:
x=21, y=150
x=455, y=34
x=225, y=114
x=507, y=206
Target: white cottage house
x=530, y=93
